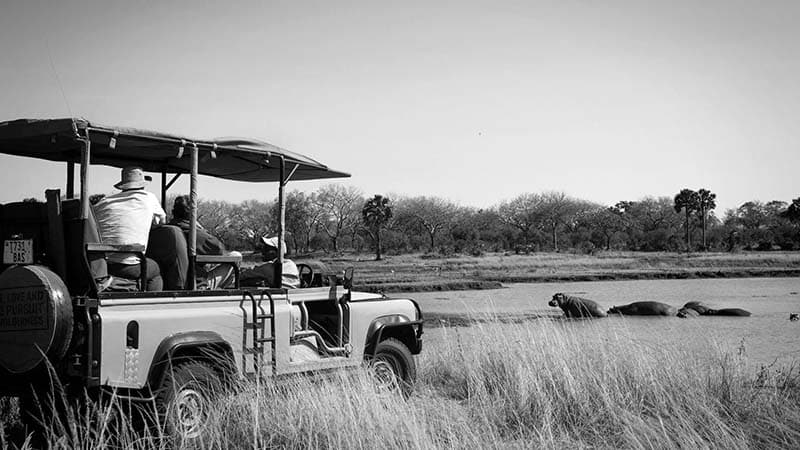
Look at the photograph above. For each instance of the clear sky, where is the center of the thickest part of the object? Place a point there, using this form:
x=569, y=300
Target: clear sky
x=474, y=101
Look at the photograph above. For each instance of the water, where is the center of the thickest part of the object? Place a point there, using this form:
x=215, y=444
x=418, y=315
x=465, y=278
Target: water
x=766, y=337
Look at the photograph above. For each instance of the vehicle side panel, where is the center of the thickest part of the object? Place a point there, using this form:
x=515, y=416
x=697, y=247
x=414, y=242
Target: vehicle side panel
x=362, y=313
x=160, y=318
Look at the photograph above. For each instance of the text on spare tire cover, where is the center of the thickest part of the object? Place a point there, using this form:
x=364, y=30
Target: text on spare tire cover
x=23, y=309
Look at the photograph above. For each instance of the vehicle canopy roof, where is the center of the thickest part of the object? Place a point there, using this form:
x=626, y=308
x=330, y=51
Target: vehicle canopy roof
x=228, y=158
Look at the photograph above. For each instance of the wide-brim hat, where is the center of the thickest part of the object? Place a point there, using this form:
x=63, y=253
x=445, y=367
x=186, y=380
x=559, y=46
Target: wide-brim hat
x=273, y=242
x=132, y=178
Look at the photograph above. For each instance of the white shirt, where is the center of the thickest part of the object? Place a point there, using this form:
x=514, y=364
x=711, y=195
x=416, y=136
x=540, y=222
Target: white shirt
x=125, y=218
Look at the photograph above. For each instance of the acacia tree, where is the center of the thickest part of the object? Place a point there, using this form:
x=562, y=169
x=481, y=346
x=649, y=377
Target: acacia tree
x=650, y=223
x=433, y=214
x=216, y=217
x=251, y=220
x=792, y=212
x=687, y=200
x=523, y=213
x=557, y=210
x=706, y=201
x=608, y=222
x=301, y=219
x=375, y=215
x=338, y=209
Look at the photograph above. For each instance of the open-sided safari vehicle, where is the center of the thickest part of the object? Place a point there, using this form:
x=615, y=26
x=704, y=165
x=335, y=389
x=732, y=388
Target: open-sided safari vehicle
x=166, y=346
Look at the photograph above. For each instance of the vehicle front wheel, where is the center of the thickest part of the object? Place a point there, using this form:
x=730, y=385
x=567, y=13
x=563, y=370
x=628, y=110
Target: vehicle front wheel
x=393, y=366
x=186, y=399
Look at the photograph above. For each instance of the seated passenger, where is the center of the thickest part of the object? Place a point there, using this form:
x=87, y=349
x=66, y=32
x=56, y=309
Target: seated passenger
x=211, y=276
x=125, y=218
x=264, y=274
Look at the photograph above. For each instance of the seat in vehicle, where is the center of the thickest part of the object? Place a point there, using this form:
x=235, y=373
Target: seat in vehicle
x=167, y=246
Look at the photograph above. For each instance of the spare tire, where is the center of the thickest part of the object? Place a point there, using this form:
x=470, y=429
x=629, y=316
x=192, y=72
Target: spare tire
x=35, y=317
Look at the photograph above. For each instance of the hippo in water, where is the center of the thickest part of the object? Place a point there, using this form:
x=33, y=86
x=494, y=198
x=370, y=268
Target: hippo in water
x=576, y=306
x=686, y=313
x=736, y=312
x=707, y=310
x=644, y=309
x=700, y=307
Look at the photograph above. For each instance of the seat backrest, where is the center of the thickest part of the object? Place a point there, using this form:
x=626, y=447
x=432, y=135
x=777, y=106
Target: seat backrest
x=167, y=246
x=82, y=269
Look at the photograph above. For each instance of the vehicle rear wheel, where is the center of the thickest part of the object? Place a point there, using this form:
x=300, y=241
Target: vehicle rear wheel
x=186, y=399
x=393, y=366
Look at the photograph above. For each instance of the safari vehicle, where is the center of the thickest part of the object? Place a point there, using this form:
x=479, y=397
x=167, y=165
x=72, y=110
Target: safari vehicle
x=57, y=320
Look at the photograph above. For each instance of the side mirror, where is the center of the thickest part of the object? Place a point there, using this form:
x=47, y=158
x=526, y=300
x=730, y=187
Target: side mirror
x=348, y=278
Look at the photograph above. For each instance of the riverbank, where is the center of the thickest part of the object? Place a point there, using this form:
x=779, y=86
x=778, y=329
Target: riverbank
x=425, y=273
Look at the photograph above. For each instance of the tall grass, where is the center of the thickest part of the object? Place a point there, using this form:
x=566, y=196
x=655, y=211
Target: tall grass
x=539, y=384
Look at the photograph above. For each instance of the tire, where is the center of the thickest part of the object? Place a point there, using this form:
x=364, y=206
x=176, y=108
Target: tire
x=38, y=319
x=186, y=398
x=393, y=366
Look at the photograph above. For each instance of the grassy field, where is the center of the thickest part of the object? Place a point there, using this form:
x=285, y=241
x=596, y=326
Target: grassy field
x=534, y=385
x=407, y=273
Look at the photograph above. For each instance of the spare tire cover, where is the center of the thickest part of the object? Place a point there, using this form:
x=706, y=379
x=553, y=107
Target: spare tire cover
x=35, y=317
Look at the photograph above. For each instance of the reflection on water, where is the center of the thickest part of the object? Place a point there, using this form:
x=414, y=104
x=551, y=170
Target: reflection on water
x=765, y=336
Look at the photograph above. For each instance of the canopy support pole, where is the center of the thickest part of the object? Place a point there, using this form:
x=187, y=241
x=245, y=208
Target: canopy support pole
x=86, y=157
x=278, y=279
x=164, y=188
x=192, y=240
x=70, y=179
x=165, y=185
x=294, y=169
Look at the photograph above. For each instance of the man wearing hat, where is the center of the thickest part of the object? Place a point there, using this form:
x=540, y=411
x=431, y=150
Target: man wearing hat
x=265, y=273
x=125, y=218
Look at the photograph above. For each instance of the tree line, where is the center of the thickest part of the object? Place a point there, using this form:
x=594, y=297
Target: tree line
x=336, y=217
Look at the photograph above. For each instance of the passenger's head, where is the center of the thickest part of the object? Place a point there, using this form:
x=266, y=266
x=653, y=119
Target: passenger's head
x=132, y=178
x=269, y=247
x=181, y=208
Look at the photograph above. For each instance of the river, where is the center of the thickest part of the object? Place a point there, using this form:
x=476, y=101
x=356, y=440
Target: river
x=767, y=337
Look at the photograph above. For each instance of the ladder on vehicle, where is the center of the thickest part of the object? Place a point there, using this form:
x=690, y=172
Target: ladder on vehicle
x=258, y=329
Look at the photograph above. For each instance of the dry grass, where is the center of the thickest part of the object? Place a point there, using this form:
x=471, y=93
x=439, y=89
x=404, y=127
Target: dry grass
x=540, y=384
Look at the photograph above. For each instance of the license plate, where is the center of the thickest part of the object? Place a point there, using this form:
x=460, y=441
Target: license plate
x=18, y=251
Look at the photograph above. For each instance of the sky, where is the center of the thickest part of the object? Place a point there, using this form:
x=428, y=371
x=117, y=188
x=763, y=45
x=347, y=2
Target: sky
x=477, y=102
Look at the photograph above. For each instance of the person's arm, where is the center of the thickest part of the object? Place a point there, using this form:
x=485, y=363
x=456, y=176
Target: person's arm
x=159, y=216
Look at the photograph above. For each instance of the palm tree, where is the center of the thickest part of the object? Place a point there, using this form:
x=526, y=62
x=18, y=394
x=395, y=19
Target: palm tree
x=706, y=202
x=375, y=214
x=687, y=200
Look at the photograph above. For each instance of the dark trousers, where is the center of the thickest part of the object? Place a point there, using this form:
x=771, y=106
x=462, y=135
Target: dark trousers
x=134, y=271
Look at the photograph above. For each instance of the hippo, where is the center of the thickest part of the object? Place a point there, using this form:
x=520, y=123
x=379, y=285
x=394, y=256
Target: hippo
x=706, y=310
x=700, y=307
x=794, y=317
x=738, y=312
x=576, y=306
x=644, y=309
x=686, y=313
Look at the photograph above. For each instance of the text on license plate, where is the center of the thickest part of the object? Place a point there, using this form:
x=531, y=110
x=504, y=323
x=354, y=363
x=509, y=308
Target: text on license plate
x=18, y=251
